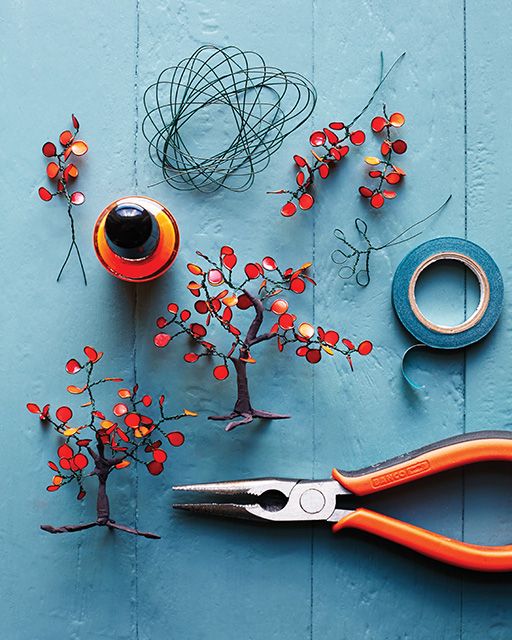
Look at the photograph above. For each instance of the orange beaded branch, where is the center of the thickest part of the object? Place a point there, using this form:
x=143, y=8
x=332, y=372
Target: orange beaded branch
x=63, y=173
x=330, y=146
x=385, y=170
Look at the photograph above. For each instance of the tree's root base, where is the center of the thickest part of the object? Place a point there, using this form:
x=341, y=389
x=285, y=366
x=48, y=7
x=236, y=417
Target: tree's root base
x=238, y=418
x=111, y=524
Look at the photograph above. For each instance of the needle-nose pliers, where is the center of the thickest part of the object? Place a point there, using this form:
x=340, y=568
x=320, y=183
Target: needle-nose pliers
x=287, y=500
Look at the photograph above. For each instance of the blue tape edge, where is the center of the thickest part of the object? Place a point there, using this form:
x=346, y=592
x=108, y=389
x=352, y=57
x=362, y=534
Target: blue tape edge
x=403, y=276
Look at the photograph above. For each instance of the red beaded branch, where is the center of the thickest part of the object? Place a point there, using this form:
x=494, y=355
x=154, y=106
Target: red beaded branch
x=387, y=171
x=103, y=443
x=240, y=294
x=330, y=147
x=63, y=173
x=332, y=144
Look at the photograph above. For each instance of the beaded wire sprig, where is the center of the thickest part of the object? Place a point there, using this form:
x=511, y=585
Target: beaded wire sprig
x=355, y=255
x=385, y=170
x=63, y=173
x=330, y=147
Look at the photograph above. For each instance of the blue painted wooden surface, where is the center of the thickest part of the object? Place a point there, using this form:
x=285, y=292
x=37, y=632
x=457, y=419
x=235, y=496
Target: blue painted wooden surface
x=221, y=579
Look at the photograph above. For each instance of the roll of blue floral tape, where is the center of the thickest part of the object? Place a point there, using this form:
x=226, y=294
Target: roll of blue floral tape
x=438, y=336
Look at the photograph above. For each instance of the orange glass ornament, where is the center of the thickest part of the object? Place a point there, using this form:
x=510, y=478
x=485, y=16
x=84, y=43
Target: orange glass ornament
x=136, y=238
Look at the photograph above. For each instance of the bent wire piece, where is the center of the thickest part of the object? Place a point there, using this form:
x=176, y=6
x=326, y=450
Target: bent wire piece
x=349, y=256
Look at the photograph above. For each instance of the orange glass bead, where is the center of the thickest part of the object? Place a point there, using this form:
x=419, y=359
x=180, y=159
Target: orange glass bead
x=136, y=238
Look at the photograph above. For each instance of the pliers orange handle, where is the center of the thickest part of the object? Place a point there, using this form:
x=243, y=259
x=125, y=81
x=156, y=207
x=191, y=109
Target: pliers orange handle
x=284, y=500
x=447, y=454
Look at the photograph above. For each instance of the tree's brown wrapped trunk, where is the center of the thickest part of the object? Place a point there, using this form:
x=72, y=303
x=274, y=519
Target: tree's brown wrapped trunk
x=102, y=469
x=243, y=413
x=243, y=402
x=102, y=504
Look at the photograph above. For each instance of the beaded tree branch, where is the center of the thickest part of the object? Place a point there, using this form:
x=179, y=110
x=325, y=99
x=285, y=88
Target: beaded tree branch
x=330, y=147
x=110, y=447
x=241, y=294
x=63, y=173
x=350, y=256
x=263, y=105
x=387, y=171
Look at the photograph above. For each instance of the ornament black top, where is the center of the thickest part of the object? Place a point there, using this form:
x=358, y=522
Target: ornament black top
x=131, y=231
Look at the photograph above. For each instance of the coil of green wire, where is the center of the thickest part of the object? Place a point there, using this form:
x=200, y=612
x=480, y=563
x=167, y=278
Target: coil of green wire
x=261, y=105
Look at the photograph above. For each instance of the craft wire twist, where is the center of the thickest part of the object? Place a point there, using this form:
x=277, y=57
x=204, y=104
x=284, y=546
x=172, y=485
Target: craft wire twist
x=362, y=276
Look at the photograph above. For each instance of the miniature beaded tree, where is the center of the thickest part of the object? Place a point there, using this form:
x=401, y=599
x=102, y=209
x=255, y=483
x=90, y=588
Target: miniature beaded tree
x=219, y=294
x=104, y=444
x=331, y=144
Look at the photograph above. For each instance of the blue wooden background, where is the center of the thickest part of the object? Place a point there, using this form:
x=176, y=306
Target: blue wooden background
x=225, y=579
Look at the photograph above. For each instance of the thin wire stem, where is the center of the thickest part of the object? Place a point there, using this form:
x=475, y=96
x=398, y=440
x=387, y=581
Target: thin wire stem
x=376, y=90
x=73, y=243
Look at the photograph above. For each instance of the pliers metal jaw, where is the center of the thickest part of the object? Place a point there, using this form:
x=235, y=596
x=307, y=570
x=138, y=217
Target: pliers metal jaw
x=274, y=499
x=294, y=500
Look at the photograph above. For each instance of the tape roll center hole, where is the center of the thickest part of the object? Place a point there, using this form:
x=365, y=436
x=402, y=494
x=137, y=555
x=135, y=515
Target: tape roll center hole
x=447, y=292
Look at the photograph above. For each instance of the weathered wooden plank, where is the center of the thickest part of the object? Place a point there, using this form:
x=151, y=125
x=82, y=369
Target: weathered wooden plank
x=212, y=578
x=485, y=604
x=58, y=58
x=361, y=586
x=223, y=579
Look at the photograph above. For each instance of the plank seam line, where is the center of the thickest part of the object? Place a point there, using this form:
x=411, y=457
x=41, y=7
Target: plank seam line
x=135, y=306
x=313, y=257
x=464, y=358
